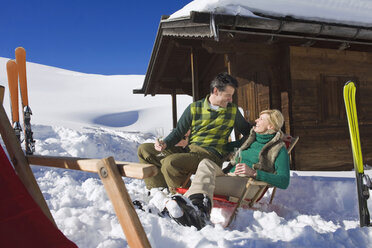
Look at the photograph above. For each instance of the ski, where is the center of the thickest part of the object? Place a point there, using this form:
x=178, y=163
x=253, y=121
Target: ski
x=12, y=72
x=362, y=180
x=20, y=54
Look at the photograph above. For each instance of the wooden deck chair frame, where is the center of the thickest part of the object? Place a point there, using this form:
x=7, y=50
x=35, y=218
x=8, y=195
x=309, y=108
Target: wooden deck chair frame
x=260, y=187
x=291, y=143
x=109, y=170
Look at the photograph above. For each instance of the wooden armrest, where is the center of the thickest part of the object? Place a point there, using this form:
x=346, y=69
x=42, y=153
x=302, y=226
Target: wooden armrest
x=126, y=169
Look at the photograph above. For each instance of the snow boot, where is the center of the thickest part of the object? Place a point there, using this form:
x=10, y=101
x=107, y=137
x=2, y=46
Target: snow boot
x=138, y=205
x=204, y=204
x=183, y=212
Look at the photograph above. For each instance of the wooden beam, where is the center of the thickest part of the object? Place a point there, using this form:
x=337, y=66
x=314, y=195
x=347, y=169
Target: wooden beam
x=126, y=169
x=20, y=163
x=122, y=203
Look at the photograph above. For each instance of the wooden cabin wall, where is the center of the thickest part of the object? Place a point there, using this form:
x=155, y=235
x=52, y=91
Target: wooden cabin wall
x=264, y=81
x=318, y=111
x=261, y=74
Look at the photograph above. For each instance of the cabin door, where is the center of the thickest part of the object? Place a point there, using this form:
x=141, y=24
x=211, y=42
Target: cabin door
x=253, y=98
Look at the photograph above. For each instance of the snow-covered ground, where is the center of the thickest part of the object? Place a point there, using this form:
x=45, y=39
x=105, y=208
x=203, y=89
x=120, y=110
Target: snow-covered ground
x=87, y=115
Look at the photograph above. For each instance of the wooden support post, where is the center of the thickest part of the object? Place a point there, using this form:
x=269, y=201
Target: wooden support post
x=20, y=163
x=2, y=90
x=122, y=203
x=174, y=108
x=194, y=75
x=227, y=63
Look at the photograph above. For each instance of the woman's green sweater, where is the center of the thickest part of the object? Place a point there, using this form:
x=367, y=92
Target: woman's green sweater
x=281, y=176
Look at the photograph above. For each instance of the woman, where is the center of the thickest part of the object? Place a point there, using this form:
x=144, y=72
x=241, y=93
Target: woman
x=263, y=157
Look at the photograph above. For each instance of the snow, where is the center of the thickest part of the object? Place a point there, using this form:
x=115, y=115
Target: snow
x=356, y=12
x=96, y=116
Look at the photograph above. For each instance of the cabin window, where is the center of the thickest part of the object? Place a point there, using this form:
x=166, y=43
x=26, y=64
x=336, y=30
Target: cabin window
x=332, y=101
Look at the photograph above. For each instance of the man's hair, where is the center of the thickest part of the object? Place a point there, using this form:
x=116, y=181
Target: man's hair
x=275, y=118
x=222, y=80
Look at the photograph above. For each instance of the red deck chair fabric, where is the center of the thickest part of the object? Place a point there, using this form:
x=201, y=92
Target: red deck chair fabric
x=22, y=223
x=220, y=198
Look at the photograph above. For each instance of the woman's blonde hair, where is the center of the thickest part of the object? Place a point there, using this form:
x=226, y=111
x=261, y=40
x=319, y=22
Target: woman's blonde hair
x=276, y=118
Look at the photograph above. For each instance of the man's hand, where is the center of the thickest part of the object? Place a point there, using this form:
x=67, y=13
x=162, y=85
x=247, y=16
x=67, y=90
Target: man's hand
x=243, y=169
x=160, y=145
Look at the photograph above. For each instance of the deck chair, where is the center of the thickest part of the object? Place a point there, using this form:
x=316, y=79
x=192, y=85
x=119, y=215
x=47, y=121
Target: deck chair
x=255, y=190
x=25, y=219
x=22, y=222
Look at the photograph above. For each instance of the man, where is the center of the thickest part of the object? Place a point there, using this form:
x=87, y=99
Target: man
x=210, y=122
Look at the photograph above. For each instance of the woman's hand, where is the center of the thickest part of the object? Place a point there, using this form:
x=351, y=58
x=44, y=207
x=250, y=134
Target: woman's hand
x=243, y=169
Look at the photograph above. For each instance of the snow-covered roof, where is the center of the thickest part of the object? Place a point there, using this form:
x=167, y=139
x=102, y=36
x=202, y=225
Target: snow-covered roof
x=349, y=12
x=334, y=24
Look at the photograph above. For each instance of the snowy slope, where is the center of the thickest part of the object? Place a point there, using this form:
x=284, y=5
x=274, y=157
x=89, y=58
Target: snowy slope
x=76, y=99
x=318, y=208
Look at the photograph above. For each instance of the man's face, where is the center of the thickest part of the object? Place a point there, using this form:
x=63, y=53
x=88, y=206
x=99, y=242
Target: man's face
x=224, y=97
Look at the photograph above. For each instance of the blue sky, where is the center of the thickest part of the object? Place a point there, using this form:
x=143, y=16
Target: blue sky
x=107, y=37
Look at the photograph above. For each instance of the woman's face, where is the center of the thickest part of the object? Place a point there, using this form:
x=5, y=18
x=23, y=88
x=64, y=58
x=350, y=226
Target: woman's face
x=262, y=124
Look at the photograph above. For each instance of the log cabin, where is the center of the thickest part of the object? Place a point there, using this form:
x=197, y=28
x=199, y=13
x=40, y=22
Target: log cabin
x=294, y=65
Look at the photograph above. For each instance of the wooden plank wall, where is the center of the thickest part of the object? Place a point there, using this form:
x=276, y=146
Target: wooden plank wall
x=324, y=136
x=256, y=76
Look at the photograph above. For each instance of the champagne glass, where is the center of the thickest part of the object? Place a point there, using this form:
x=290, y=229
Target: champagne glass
x=159, y=138
x=238, y=155
x=238, y=159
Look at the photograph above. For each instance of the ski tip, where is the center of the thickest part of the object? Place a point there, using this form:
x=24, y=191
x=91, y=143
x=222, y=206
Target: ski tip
x=349, y=82
x=20, y=51
x=11, y=64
